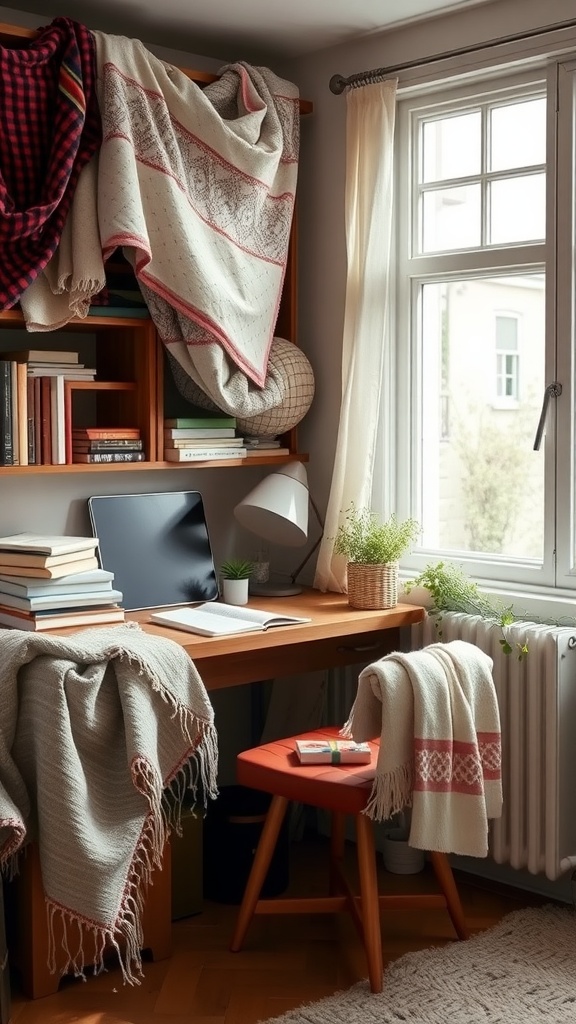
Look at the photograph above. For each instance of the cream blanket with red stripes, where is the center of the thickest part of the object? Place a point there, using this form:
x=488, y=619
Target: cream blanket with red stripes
x=437, y=716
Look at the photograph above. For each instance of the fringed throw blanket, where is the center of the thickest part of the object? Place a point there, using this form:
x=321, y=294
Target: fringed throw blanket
x=49, y=129
x=94, y=728
x=437, y=715
x=198, y=187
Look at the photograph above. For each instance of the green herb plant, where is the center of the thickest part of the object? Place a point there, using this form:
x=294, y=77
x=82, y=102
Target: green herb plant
x=452, y=590
x=236, y=569
x=364, y=537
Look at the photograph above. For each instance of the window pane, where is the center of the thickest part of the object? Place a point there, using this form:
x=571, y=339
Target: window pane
x=518, y=135
x=451, y=147
x=451, y=218
x=481, y=483
x=518, y=209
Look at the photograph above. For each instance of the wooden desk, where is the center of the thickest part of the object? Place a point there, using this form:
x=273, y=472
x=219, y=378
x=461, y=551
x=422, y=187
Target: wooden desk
x=336, y=636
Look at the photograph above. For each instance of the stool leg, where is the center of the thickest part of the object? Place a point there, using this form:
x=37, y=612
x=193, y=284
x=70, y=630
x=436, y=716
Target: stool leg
x=262, y=858
x=369, y=900
x=443, y=872
x=337, y=836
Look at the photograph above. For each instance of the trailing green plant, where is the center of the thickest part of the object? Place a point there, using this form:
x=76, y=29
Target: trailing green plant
x=364, y=537
x=452, y=590
x=236, y=569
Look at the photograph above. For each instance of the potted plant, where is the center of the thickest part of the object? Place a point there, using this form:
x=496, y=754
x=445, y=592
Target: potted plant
x=373, y=548
x=449, y=589
x=235, y=574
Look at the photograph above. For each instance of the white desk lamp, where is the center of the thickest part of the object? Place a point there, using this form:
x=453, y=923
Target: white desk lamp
x=277, y=511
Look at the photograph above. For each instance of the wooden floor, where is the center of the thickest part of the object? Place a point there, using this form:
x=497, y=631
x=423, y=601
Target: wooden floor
x=286, y=961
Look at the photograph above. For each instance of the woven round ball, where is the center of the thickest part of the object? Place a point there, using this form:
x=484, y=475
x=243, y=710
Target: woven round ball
x=285, y=398
x=294, y=386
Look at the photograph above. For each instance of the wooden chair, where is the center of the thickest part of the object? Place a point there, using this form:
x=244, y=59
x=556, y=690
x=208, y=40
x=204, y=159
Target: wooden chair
x=342, y=790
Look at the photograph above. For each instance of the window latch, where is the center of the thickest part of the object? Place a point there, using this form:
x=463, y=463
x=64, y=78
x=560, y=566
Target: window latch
x=553, y=390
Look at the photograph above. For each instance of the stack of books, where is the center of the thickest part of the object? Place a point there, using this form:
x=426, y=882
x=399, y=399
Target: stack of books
x=106, y=444
x=32, y=404
x=202, y=439
x=270, y=445
x=51, y=582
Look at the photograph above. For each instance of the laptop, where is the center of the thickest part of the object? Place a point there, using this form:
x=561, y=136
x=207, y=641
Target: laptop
x=157, y=546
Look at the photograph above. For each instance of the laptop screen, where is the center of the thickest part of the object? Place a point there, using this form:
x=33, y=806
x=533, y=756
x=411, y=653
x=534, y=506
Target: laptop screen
x=157, y=546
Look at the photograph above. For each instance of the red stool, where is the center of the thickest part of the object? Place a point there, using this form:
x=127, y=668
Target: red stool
x=340, y=789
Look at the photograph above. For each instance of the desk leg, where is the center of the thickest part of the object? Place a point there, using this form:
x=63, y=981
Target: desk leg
x=30, y=946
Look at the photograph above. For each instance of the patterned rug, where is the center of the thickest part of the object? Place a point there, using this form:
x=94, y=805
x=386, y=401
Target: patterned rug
x=522, y=971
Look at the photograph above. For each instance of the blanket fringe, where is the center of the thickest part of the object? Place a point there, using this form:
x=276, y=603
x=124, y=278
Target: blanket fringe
x=390, y=793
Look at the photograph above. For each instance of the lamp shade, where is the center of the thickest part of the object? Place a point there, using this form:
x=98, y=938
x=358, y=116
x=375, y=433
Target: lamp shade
x=277, y=508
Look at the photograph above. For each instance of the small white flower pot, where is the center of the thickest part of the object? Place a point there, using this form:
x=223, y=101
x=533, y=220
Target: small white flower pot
x=235, y=591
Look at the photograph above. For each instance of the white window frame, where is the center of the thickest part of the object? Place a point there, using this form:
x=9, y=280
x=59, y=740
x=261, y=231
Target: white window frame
x=526, y=575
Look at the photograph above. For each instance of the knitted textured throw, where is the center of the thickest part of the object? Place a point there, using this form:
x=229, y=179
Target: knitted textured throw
x=49, y=129
x=198, y=188
x=522, y=971
x=437, y=715
x=95, y=728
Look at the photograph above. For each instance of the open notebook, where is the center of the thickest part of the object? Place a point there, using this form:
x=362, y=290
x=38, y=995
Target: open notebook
x=221, y=619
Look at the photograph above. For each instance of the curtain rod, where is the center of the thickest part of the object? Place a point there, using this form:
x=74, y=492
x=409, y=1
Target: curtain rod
x=338, y=83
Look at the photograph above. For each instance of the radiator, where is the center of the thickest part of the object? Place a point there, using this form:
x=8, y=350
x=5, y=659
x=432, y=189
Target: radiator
x=537, y=702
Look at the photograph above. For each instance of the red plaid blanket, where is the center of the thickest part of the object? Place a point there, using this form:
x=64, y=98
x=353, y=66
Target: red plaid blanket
x=49, y=128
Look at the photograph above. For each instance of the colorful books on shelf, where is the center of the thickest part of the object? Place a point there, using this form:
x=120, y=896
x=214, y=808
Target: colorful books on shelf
x=332, y=752
x=93, y=445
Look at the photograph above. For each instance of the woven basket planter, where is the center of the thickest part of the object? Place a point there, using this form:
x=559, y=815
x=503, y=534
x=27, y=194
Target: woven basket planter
x=372, y=586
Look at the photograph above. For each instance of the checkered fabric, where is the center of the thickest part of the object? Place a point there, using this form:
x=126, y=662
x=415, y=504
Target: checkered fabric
x=50, y=126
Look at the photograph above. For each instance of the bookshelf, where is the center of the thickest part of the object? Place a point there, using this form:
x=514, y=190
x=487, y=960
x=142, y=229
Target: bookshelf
x=129, y=389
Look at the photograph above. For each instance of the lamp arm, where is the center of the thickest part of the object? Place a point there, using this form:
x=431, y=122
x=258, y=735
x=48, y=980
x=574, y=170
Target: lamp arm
x=314, y=547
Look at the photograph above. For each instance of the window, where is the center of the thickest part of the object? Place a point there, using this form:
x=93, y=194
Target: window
x=484, y=324
x=507, y=358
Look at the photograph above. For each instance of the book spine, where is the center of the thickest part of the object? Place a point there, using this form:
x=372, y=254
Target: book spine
x=14, y=404
x=22, y=404
x=46, y=421
x=201, y=422
x=106, y=433
x=30, y=421
x=202, y=454
x=108, y=457
x=57, y=420
x=121, y=444
x=37, y=421
x=6, y=446
x=68, y=425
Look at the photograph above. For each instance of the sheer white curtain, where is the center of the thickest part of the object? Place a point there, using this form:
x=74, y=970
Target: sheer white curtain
x=370, y=117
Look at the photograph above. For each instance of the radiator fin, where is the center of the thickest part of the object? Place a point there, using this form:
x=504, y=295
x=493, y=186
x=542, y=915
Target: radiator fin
x=537, y=702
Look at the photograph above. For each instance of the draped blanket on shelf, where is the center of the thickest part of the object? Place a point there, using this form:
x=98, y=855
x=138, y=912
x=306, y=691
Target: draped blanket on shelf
x=197, y=186
x=49, y=129
x=95, y=730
